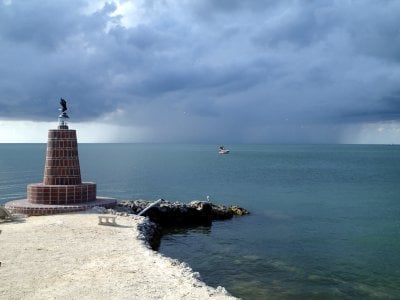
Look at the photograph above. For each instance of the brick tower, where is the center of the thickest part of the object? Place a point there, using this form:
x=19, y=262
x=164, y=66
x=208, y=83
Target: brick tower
x=62, y=189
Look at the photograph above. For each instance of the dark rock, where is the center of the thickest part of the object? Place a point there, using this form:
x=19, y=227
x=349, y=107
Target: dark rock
x=238, y=211
x=151, y=233
x=220, y=212
x=179, y=214
x=174, y=215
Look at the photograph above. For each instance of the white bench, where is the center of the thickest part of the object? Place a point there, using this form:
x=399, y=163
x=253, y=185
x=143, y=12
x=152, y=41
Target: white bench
x=107, y=220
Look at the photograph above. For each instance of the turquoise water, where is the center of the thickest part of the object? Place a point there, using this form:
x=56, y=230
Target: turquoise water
x=324, y=223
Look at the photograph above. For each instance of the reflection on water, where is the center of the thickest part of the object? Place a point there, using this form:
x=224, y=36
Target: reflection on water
x=173, y=232
x=283, y=261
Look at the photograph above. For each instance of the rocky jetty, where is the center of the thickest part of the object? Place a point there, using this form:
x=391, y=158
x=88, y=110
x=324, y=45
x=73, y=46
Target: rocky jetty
x=168, y=213
x=171, y=214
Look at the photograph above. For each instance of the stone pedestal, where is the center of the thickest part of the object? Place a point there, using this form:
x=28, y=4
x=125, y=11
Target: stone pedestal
x=62, y=160
x=62, y=182
x=62, y=189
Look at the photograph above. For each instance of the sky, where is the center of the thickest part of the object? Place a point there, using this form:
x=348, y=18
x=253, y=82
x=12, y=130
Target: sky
x=202, y=71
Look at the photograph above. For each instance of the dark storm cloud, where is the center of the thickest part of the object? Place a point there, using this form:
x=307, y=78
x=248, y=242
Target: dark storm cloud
x=266, y=70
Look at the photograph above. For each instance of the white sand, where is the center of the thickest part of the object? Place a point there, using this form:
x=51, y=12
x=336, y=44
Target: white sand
x=72, y=257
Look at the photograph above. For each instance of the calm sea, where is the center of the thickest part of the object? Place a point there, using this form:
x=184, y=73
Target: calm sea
x=325, y=218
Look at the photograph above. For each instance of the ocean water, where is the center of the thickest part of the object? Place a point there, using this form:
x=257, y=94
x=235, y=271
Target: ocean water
x=324, y=223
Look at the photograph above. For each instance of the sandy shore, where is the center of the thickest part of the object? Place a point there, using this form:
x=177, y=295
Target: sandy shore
x=72, y=257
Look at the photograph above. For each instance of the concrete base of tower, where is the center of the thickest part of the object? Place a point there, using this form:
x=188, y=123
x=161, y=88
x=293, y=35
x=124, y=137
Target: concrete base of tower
x=33, y=209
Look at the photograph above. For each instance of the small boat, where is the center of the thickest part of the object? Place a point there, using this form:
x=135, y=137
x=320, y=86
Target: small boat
x=222, y=150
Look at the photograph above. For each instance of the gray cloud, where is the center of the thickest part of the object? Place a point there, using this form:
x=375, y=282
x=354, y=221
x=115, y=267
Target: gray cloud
x=262, y=71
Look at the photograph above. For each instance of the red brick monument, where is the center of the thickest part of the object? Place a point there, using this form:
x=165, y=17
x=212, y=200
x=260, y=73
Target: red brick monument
x=62, y=189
